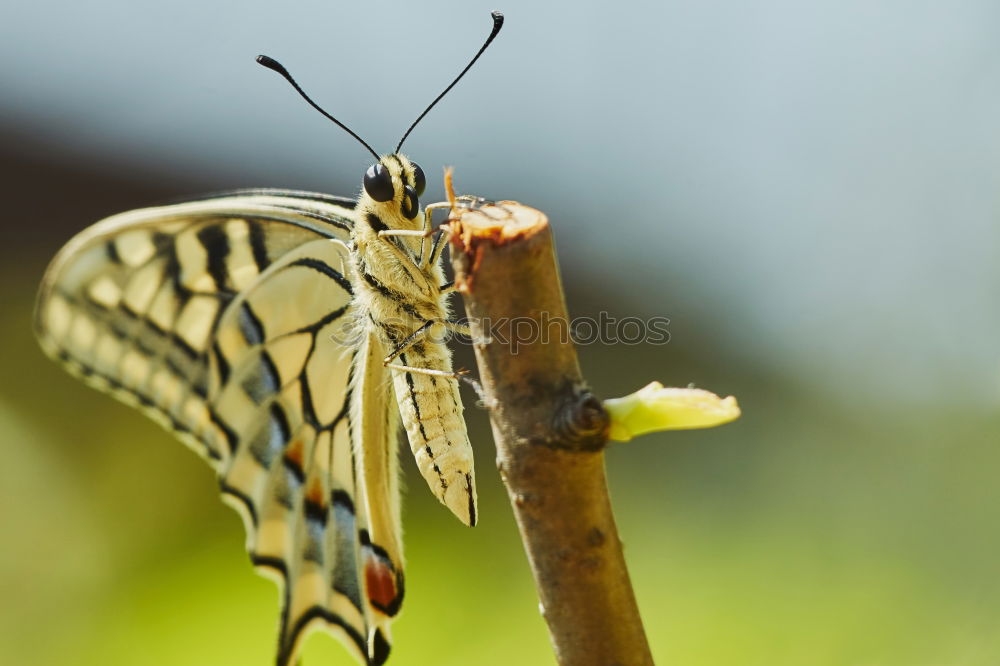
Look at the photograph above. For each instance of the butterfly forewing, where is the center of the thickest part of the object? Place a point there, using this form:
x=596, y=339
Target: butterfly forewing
x=229, y=321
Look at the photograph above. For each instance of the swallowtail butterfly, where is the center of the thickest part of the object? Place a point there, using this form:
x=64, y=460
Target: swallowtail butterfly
x=284, y=335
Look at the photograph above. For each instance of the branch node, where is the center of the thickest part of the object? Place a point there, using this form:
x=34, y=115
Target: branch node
x=581, y=424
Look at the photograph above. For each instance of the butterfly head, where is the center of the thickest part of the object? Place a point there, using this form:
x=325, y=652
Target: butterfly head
x=392, y=186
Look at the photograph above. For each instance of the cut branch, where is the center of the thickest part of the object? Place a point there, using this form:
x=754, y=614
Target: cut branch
x=550, y=433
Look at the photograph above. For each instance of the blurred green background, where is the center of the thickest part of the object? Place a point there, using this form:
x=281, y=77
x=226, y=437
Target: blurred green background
x=807, y=190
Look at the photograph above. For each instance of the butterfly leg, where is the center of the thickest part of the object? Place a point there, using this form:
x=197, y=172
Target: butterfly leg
x=456, y=327
x=412, y=338
x=437, y=245
x=460, y=375
x=432, y=207
x=436, y=248
x=425, y=232
x=428, y=231
x=404, y=259
x=407, y=342
x=454, y=374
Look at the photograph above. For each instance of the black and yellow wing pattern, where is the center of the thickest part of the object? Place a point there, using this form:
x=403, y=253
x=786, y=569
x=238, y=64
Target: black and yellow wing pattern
x=225, y=319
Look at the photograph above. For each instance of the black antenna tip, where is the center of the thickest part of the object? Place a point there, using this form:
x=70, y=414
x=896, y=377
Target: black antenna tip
x=497, y=24
x=271, y=63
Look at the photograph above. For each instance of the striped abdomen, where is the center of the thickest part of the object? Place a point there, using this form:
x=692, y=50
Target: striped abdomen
x=431, y=410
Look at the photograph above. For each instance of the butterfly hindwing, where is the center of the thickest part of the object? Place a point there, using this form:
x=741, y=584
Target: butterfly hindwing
x=285, y=391
x=229, y=321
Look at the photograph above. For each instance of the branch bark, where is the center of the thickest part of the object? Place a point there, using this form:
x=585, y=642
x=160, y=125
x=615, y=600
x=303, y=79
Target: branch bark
x=550, y=433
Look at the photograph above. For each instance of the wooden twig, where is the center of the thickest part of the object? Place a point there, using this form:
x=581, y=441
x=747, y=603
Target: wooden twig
x=550, y=433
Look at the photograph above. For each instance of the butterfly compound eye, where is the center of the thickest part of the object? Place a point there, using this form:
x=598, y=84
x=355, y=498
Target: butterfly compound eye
x=419, y=180
x=378, y=183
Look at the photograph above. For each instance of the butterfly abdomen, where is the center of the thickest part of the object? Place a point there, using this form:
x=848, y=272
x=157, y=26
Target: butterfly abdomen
x=432, y=414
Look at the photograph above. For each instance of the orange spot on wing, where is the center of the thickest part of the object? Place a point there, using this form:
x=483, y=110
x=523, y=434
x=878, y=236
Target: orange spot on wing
x=295, y=452
x=380, y=582
x=314, y=493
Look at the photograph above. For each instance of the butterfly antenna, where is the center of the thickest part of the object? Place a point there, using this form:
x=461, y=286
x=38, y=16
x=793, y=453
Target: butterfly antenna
x=497, y=24
x=273, y=64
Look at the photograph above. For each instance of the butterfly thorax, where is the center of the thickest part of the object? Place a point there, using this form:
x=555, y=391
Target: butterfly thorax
x=396, y=287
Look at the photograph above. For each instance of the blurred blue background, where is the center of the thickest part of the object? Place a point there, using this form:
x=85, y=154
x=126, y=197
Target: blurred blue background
x=807, y=190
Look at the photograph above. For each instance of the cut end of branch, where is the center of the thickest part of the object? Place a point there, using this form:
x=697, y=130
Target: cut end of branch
x=475, y=221
x=499, y=224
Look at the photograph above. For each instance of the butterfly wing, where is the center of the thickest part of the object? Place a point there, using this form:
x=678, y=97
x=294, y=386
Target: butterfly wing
x=228, y=320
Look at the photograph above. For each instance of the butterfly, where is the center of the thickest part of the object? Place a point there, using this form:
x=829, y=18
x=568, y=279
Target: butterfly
x=284, y=336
